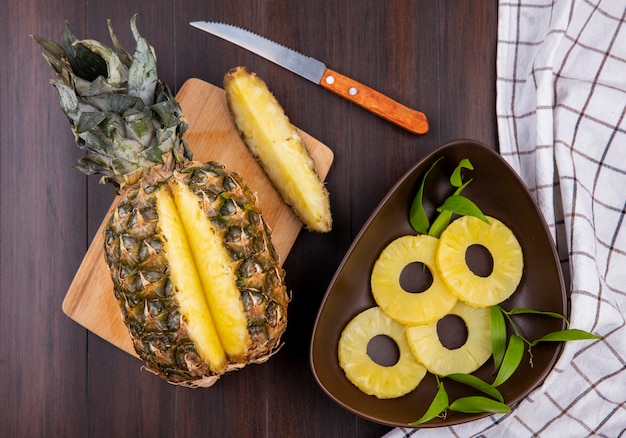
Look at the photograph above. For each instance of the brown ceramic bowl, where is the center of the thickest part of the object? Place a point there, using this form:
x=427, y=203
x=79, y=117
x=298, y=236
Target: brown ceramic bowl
x=500, y=193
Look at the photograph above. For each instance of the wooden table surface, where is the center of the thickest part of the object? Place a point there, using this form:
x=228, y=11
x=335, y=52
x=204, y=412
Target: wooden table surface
x=59, y=380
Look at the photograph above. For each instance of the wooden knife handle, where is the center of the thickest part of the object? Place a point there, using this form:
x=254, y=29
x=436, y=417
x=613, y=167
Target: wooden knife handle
x=379, y=104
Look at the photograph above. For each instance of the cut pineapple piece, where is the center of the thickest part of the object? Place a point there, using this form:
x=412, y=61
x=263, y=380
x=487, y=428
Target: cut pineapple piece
x=401, y=305
x=217, y=276
x=426, y=346
x=370, y=377
x=276, y=145
x=193, y=305
x=505, y=251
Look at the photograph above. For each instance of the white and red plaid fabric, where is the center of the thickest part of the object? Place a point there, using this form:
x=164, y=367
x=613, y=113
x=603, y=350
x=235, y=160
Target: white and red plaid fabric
x=561, y=108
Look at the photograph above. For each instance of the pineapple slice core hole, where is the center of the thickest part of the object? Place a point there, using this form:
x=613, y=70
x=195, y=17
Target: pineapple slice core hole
x=383, y=350
x=452, y=331
x=479, y=260
x=416, y=277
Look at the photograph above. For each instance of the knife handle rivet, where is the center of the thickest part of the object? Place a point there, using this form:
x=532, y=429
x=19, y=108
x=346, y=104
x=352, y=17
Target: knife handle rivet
x=330, y=80
x=353, y=91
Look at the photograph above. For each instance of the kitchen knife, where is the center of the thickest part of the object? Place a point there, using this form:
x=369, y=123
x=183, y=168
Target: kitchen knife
x=316, y=71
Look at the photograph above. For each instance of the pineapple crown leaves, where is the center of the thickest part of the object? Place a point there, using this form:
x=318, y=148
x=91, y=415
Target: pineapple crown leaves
x=123, y=117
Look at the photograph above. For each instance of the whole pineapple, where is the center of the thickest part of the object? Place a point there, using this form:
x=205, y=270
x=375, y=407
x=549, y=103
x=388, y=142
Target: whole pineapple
x=198, y=281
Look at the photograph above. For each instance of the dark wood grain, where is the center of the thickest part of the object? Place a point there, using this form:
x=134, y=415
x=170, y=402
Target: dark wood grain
x=56, y=379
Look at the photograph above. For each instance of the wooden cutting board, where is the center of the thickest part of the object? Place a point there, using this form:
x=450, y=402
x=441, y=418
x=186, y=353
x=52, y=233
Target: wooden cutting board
x=212, y=137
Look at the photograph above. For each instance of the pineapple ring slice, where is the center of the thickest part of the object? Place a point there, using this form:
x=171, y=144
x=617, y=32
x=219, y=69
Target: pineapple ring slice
x=504, y=248
x=427, y=347
x=370, y=377
x=407, y=307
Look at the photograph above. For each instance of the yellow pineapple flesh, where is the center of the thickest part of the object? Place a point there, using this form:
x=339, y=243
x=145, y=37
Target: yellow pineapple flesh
x=425, y=344
x=370, y=377
x=190, y=294
x=399, y=304
x=505, y=251
x=278, y=147
x=215, y=269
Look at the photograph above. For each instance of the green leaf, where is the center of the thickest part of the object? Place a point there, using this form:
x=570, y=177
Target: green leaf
x=142, y=74
x=498, y=335
x=462, y=206
x=67, y=99
x=117, y=71
x=455, y=178
x=566, y=335
x=417, y=214
x=440, y=223
x=88, y=120
x=512, y=359
x=477, y=383
x=437, y=406
x=527, y=311
x=476, y=403
x=444, y=217
x=462, y=187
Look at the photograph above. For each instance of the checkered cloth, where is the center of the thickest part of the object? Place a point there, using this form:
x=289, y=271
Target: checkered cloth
x=561, y=107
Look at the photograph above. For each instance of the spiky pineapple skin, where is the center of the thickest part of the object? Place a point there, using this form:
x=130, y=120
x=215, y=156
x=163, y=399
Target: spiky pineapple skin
x=143, y=287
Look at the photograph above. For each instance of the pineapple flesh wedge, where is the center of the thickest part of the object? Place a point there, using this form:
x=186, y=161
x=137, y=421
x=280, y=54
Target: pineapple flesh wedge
x=425, y=344
x=276, y=145
x=505, y=250
x=401, y=305
x=370, y=377
x=215, y=269
x=191, y=298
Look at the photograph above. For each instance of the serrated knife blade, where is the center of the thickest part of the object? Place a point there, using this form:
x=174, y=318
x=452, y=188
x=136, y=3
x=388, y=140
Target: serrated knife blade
x=316, y=71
